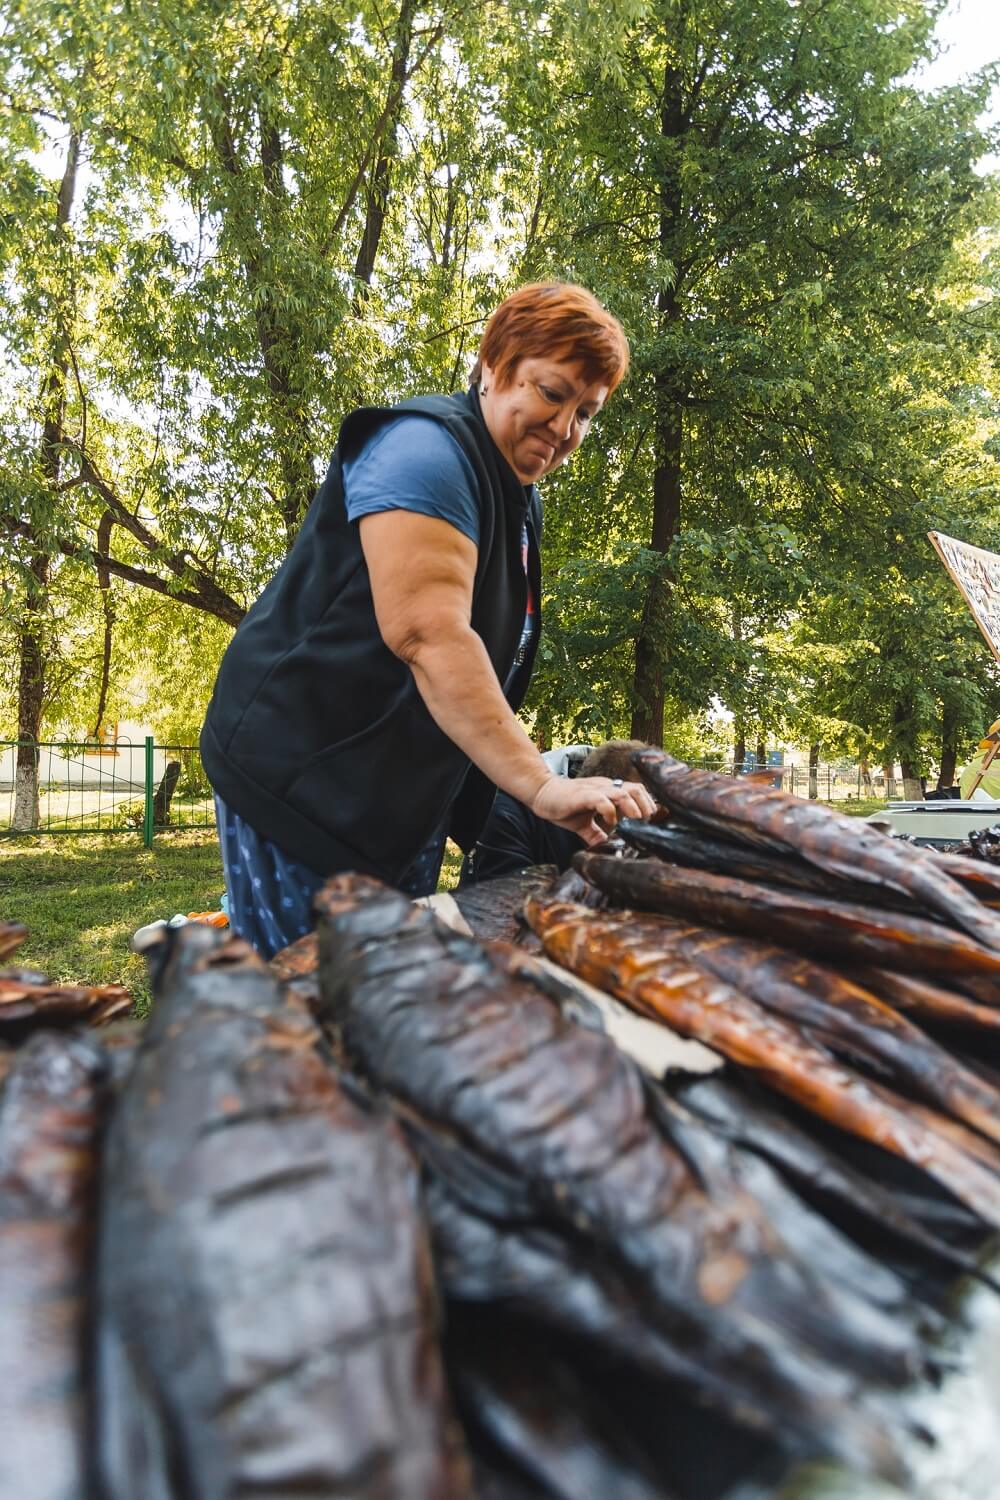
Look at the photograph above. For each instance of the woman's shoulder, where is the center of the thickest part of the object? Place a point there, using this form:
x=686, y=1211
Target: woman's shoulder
x=408, y=442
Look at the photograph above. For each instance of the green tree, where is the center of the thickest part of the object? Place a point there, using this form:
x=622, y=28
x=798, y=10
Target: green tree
x=286, y=213
x=776, y=212
x=276, y=223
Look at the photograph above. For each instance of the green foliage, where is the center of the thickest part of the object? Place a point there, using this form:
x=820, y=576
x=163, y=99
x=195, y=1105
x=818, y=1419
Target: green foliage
x=130, y=815
x=283, y=213
x=794, y=236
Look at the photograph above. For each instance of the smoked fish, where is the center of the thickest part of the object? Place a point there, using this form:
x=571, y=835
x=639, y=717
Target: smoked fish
x=513, y=1260
x=30, y=1003
x=868, y=1294
x=623, y=954
x=432, y=1021
x=737, y=1108
x=12, y=935
x=679, y=844
x=51, y=1109
x=819, y=926
x=269, y=1324
x=929, y=1002
x=553, y=1423
x=830, y=840
x=979, y=876
x=851, y=1021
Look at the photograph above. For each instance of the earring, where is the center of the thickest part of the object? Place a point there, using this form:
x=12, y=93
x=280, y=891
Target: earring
x=482, y=390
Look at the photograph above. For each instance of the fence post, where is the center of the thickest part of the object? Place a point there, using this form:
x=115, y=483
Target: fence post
x=147, y=812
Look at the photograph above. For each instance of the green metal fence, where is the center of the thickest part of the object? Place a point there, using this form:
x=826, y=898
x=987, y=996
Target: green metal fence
x=134, y=787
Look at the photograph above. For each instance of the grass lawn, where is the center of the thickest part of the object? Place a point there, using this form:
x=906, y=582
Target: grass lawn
x=82, y=897
x=863, y=807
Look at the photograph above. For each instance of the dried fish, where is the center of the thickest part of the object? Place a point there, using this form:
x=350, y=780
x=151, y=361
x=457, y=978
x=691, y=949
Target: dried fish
x=737, y=1108
x=491, y=1062
x=268, y=1319
x=876, y=1309
x=851, y=1021
x=698, y=850
x=494, y=908
x=819, y=926
x=492, y=1247
x=930, y=1002
x=624, y=954
x=28, y=1004
x=12, y=935
x=979, y=876
x=982, y=844
x=50, y=1116
x=296, y=968
x=549, y=1421
x=830, y=840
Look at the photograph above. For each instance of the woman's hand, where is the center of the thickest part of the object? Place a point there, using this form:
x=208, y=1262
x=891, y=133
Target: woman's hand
x=590, y=806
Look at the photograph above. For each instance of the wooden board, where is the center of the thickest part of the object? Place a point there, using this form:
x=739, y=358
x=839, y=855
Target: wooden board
x=977, y=575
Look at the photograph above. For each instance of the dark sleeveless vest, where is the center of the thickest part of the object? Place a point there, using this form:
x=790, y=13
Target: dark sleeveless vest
x=316, y=733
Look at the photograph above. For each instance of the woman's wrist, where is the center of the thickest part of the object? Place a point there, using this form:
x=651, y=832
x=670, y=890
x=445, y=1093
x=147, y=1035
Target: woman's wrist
x=528, y=784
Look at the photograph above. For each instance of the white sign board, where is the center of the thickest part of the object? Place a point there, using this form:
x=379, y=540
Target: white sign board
x=977, y=574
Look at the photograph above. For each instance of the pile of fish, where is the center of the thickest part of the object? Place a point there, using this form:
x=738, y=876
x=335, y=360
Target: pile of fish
x=397, y=1217
x=982, y=843
x=910, y=939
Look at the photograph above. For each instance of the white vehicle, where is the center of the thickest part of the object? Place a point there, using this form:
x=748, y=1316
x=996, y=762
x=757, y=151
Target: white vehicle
x=937, y=822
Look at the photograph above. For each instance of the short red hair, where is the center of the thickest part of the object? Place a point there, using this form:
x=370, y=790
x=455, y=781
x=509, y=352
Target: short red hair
x=555, y=319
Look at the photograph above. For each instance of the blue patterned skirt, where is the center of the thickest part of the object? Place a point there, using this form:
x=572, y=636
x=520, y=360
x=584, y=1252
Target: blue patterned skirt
x=271, y=895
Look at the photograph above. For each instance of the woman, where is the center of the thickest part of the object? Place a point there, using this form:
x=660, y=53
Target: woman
x=365, y=708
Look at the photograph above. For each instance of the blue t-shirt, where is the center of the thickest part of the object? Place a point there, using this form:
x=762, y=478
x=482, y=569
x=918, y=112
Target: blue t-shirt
x=414, y=463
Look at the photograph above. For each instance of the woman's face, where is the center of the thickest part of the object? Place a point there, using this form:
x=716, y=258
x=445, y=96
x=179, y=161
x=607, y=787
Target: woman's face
x=542, y=415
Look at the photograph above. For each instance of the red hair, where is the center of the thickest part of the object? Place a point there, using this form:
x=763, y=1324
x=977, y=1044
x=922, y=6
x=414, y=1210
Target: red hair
x=558, y=320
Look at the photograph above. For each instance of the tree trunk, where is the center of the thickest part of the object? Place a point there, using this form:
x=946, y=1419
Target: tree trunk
x=164, y=793
x=668, y=434
x=31, y=647
x=813, y=772
x=949, y=748
x=377, y=197
x=906, y=750
x=760, y=755
x=913, y=790
x=108, y=609
x=739, y=748
x=30, y=701
x=866, y=778
x=889, y=772
x=949, y=764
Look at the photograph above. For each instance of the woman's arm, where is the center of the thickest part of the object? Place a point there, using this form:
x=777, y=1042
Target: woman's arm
x=422, y=571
